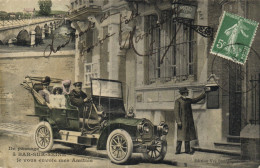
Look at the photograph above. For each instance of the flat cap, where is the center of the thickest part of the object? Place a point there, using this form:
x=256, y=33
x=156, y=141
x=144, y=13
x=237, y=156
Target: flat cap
x=77, y=84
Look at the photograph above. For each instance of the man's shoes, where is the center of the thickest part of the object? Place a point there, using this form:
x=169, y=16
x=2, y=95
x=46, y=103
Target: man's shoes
x=190, y=152
x=176, y=153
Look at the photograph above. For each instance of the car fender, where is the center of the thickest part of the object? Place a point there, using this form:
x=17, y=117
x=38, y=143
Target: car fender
x=105, y=132
x=54, y=127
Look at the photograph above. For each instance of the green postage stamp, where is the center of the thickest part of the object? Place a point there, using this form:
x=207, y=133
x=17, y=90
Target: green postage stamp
x=234, y=38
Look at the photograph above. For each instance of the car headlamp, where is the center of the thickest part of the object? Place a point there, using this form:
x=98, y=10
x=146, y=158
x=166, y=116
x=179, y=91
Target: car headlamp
x=163, y=128
x=143, y=128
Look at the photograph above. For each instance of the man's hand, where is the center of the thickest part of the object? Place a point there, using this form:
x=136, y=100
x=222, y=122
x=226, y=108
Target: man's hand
x=207, y=89
x=85, y=100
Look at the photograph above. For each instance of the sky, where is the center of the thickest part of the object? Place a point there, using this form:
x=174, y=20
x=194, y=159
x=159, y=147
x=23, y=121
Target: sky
x=19, y=5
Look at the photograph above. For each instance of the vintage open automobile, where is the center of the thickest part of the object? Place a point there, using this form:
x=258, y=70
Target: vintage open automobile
x=115, y=130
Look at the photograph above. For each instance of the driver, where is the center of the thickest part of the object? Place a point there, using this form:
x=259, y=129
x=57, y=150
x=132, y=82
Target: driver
x=77, y=97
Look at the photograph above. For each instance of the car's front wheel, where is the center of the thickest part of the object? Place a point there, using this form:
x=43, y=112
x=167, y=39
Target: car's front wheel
x=44, y=136
x=119, y=146
x=156, y=152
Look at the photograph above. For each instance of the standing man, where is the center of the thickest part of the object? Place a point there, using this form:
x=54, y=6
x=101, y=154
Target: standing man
x=184, y=118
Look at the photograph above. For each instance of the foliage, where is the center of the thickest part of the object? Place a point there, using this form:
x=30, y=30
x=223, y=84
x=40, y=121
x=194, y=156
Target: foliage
x=27, y=15
x=45, y=7
x=14, y=15
x=19, y=15
x=3, y=15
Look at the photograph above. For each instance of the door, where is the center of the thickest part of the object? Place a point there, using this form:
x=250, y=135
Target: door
x=235, y=99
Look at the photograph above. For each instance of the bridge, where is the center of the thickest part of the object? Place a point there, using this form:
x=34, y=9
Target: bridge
x=27, y=31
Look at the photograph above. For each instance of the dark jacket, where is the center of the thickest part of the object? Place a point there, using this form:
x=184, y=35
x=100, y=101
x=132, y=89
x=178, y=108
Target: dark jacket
x=77, y=98
x=183, y=115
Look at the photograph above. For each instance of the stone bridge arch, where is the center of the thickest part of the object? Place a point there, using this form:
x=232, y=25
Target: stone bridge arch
x=23, y=38
x=10, y=33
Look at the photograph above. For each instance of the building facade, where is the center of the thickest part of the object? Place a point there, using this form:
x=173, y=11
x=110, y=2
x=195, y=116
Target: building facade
x=154, y=48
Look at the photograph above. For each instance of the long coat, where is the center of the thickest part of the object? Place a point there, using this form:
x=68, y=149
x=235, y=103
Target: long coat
x=183, y=115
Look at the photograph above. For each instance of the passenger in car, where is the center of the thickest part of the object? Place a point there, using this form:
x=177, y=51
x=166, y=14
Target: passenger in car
x=45, y=92
x=57, y=100
x=66, y=87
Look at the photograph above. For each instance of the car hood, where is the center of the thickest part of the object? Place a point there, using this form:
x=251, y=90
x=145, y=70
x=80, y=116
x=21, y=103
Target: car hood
x=126, y=121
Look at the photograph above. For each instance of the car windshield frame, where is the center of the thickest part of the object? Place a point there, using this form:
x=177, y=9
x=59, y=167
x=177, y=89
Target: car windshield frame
x=108, y=94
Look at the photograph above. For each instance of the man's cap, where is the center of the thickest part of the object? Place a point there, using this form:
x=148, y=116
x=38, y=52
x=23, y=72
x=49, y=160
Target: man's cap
x=77, y=84
x=66, y=82
x=183, y=90
x=46, y=80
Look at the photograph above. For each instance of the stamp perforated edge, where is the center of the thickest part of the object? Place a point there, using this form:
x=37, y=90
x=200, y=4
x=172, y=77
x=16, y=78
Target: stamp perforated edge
x=228, y=58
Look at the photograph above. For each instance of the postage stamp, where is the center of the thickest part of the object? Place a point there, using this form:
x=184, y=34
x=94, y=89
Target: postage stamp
x=234, y=38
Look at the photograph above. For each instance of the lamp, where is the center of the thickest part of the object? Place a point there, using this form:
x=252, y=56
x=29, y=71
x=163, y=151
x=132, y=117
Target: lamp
x=213, y=95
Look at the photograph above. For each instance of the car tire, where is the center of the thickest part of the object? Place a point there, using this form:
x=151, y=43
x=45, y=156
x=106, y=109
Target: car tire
x=119, y=146
x=157, y=153
x=43, y=136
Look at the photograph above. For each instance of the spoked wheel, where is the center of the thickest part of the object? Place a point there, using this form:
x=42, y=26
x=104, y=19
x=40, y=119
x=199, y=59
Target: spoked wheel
x=156, y=152
x=119, y=146
x=44, y=136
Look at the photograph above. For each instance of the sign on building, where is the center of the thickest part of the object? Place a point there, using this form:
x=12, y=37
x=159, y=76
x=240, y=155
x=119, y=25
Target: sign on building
x=184, y=11
x=234, y=38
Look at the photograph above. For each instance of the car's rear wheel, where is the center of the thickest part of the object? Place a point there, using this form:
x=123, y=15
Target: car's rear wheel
x=44, y=136
x=156, y=152
x=119, y=146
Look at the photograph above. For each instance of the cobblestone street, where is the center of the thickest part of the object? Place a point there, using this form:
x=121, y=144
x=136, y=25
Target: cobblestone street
x=21, y=135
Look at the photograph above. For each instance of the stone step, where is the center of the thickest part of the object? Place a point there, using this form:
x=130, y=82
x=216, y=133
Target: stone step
x=219, y=151
x=232, y=138
x=227, y=145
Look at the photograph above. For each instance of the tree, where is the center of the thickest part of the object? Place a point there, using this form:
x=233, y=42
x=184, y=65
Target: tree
x=45, y=7
x=18, y=15
x=3, y=15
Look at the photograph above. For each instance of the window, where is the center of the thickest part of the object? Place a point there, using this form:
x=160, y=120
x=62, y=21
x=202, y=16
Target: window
x=178, y=61
x=105, y=2
x=91, y=67
x=90, y=71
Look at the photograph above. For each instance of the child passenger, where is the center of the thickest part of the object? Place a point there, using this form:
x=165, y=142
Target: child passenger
x=57, y=100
